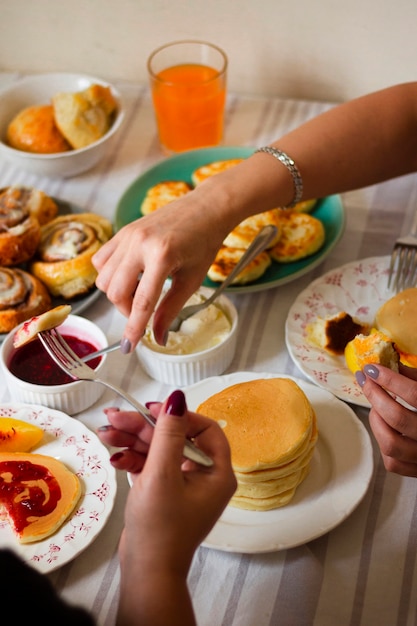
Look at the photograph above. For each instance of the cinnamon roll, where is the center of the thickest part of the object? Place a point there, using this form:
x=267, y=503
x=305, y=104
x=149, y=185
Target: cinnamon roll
x=41, y=206
x=63, y=258
x=21, y=296
x=20, y=231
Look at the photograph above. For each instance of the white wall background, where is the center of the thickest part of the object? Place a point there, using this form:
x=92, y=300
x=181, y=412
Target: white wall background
x=312, y=49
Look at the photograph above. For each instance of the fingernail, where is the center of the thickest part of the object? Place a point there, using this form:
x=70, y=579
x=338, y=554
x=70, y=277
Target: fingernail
x=360, y=378
x=116, y=456
x=165, y=338
x=371, y=371
x=105, y=428
x=111, y=409
x=149, y=404
x=125, y=346
x=176, y=403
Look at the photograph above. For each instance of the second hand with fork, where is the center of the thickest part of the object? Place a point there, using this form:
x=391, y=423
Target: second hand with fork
x=71, y=364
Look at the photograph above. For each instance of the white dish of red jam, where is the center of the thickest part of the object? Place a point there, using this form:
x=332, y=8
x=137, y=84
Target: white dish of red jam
x=33, y=377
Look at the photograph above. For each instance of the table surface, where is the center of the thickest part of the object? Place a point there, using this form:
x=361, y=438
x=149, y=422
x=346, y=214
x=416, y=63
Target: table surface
x=363, y=572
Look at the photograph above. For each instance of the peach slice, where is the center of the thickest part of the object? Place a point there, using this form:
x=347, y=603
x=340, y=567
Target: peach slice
x=17, y=435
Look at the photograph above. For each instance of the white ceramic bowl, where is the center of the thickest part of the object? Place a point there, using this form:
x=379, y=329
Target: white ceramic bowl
x=186, y=369
x=39, y=89
x=71, y=398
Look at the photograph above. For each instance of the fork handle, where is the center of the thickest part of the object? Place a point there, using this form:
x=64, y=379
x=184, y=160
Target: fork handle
x=190, y=450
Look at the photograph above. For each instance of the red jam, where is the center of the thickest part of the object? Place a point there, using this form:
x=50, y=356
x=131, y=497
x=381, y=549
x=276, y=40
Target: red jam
x=33, y=364
x=27, y=490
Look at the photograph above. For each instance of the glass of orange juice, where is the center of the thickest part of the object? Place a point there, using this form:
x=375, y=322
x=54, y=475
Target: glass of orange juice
x=188, y=84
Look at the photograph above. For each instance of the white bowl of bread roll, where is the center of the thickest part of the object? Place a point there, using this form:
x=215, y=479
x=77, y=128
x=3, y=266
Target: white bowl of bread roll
x=204, y=346
x=32, y=376
x=58, y=125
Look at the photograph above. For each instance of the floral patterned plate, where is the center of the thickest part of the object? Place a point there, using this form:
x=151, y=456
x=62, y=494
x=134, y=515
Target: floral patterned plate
x=81, y=451
x=359, y=288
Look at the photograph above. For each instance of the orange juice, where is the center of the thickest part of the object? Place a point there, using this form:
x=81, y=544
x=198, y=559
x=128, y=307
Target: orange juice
x=189, y=104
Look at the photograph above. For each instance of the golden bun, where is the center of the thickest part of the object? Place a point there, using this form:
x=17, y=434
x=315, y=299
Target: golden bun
x=34, y=130
x=85, y=116
x=397, y=319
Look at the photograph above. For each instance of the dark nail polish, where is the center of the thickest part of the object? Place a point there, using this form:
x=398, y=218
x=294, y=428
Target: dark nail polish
x=125, y=346
x=176, y=403
x=360, y=378
x=165, y=338
x=116, y=456
x=149, y=404
x=371, y=371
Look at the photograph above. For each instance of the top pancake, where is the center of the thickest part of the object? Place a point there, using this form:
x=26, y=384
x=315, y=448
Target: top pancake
x=266, y=421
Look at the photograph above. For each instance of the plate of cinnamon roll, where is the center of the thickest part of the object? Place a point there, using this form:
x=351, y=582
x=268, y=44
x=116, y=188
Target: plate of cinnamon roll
x=46, y=246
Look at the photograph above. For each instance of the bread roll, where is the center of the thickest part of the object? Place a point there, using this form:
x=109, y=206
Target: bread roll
x=34, y=130
x=84, y=117
x=20, y=231
x=397, y=319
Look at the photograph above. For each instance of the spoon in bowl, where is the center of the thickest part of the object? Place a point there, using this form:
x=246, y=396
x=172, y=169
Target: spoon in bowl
x=258, y=245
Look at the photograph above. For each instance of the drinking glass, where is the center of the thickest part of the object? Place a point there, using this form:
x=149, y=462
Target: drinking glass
x=188, y=84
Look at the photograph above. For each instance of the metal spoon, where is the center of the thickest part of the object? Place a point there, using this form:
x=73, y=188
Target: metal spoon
x=259, y=244
x=94, y=355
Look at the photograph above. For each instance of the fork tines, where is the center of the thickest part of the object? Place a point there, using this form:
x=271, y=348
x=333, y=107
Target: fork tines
x=60, y=351
x=403, y=266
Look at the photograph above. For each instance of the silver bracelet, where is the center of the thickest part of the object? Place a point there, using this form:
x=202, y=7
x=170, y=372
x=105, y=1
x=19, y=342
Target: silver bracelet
x=292, y=168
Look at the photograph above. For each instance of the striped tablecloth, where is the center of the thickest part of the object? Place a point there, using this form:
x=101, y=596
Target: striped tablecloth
x=363, y=571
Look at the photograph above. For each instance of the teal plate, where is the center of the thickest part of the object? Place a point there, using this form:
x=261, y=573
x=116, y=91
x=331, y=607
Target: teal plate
x=180, y=167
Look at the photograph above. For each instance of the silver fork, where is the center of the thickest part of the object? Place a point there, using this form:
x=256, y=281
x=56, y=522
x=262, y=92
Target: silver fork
x=69, y=362
x=403, y=262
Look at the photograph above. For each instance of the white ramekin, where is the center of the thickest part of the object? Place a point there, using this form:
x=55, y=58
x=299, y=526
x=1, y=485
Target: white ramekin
x=186, y=369
x=71, y=398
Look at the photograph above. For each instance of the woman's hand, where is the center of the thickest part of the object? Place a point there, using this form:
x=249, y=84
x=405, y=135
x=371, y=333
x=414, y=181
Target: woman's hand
x=393, y=424
x=171, y=507
x=179, y=240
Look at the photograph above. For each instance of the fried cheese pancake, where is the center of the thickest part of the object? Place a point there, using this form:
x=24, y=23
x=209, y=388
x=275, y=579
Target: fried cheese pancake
x=226, y=260
x=162, y=193
x=210, y=169
x=245, y=232
x=305, y=206
x=301, y=236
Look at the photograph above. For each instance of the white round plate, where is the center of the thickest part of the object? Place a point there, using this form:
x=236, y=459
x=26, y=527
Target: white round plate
x=340, y=473
x=359, y=288
x=81, y=451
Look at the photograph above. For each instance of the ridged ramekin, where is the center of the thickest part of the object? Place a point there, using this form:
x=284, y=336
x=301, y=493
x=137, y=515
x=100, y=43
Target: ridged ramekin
x=72, y=397
x=181, y=370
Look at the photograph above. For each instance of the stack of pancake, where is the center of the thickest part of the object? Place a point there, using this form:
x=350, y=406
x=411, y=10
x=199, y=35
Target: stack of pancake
x=271, y=428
